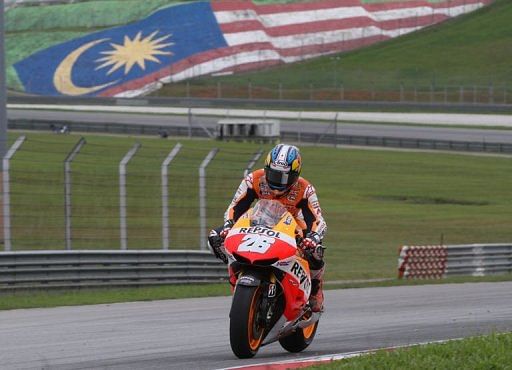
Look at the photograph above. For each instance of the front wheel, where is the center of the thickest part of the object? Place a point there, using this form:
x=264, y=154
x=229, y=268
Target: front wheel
x=300, y=339
x=246, y=326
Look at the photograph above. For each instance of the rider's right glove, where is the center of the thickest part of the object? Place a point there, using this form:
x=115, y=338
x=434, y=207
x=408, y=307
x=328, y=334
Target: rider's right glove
x=226, y=228
x=215, y=243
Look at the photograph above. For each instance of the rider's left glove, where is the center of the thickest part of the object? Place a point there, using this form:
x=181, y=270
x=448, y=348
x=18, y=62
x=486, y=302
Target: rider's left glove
x=311, y=244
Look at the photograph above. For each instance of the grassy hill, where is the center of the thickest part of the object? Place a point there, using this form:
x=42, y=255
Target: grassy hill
x=475, y=49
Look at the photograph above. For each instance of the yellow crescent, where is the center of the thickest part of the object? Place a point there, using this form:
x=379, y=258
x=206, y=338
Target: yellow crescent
x=62, y=77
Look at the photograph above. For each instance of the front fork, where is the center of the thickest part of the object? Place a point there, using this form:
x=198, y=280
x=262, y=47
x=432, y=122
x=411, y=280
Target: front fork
x=270, y=294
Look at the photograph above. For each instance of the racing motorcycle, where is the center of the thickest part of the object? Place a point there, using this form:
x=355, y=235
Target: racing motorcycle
x=273, y=282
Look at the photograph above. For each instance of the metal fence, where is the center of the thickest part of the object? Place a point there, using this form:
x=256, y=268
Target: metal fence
x=431, y=262
x=90, y=269
x=399, y=92
x=65, y=192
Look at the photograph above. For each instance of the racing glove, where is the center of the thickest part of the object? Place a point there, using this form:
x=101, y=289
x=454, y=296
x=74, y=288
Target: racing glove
x=311, y=245
x=226, y=228
x=215, y=243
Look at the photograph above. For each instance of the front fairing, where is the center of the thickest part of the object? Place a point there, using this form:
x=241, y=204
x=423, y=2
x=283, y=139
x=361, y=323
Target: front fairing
x=259, y=245
x=254, y=243
x=274, y=248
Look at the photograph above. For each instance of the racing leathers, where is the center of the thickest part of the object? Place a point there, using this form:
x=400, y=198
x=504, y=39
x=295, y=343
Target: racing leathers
x=302, y=202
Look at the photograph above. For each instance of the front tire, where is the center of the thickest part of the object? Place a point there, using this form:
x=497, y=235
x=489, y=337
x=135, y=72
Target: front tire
x=300, y=339
x=245, y=326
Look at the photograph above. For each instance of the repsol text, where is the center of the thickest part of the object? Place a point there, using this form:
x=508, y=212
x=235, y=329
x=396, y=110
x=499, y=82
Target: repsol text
x=260, y=230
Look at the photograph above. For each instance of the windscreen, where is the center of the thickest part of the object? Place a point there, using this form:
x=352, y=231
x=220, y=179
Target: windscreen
x=267, y=213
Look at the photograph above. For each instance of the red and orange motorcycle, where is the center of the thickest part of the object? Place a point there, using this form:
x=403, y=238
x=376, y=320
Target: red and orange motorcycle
x=273, y=282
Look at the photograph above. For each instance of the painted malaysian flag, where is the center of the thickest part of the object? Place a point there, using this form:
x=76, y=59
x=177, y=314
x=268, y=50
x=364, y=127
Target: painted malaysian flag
x=203, y=38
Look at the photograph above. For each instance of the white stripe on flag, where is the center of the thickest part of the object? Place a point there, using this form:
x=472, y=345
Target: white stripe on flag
x=301, y=40
x=286, y=19
x=311, y=16
x=423, y=11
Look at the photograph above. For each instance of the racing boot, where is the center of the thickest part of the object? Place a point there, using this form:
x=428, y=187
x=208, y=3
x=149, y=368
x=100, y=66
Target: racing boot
x=316, y=298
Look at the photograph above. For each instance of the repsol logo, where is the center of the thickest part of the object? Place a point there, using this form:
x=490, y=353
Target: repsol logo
x=301, y=274
x=260, y=230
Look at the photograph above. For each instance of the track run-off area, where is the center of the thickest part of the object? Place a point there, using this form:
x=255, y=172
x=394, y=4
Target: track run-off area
x=193, y=333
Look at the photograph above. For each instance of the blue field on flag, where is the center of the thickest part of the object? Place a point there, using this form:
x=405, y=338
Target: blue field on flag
x=91, y=64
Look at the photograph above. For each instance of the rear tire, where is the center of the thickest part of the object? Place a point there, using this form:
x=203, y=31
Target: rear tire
x=299, y=340
x=245, y=333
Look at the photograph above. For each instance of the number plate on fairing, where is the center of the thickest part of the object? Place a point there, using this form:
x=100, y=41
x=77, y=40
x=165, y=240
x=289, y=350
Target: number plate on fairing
x=256, y=243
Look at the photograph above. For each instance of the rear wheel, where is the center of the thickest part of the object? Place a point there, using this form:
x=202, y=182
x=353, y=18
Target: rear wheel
x=246, y=326
x=300, y=339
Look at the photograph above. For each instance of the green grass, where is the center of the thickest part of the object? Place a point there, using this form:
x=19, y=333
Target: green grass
x=473, y=49
x=42, y=299
x=485, y=352
x=373, y=201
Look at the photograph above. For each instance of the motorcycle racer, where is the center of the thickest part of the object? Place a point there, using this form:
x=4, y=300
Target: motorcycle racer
x=280, y=180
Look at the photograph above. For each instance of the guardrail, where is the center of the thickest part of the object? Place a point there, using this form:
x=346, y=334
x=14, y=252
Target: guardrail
x=440, y=261
x=109, y=268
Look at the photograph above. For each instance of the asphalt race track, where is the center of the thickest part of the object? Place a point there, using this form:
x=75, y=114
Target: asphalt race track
x=356, y=129
x=193, y=333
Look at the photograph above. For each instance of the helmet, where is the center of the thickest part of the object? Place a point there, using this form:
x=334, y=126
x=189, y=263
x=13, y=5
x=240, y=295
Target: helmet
x=282, y=167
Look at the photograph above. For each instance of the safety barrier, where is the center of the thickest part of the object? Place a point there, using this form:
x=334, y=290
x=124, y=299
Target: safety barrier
x=435, y=262
x=108, y=268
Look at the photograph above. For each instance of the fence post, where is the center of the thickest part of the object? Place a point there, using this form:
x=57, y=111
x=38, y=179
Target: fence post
x=401, y=91
x=189, y=122
x=165, y=196
x=202, y=198
x=67, y=189
x=299, y=131
x=253, y=161
x=461, y=96
x=122, y=193
x=336, y=130
x=7, y=193
x=491, y=93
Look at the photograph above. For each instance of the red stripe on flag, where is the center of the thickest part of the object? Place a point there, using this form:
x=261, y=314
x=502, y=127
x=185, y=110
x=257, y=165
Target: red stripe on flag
x=328, y=4
x=332, y=25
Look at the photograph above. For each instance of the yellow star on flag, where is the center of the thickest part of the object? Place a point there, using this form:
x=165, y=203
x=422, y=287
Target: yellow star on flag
x=134, y=51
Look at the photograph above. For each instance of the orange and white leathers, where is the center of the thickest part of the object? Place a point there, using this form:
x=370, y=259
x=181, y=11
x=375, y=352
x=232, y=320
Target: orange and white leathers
x=300, y=200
